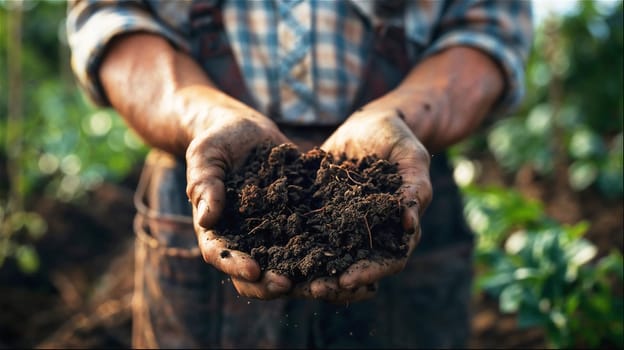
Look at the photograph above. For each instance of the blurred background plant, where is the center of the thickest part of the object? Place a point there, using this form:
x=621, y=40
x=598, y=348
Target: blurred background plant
x=567, y=136
x=544, y=271
x=572, y=116
x=53, y=140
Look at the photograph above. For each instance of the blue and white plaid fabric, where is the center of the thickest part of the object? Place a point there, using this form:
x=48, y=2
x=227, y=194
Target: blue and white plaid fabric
x=303, y=61
x=291, y=56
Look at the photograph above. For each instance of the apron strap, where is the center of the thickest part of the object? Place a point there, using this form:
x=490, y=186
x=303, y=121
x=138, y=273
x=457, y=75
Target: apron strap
x=210, y=46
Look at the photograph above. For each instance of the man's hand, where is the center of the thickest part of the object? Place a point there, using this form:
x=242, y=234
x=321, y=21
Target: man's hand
x=222, y=147
x=166, y=97
x=440, y=102
x=384, y=133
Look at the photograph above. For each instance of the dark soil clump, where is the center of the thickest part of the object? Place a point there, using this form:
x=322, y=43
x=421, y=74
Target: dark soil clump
x=313, y=214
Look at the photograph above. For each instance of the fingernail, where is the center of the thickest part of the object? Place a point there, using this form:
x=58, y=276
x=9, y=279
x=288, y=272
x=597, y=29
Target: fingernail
x=347, y=285
x=346, y=282
x=202, y=212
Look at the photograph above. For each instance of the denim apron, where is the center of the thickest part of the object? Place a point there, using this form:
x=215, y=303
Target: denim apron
x=182, y=302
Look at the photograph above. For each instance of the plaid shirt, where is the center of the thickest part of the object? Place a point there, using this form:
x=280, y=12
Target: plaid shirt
x=303, y=61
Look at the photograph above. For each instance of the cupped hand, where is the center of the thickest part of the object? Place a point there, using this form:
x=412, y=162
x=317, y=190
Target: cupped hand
x=223, y=146
x=384, y=133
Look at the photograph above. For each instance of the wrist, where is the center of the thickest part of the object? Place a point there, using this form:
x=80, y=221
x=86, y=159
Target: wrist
x=447, y=96
x=422, y=109
x=203, y=109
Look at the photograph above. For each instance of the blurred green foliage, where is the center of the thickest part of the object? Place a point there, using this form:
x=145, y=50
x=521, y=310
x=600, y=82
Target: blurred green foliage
x=19, y=229
x=493, y=212
x=570, y=123
x=546, y=272
x=68, y=144
x=544, y=275
x=65, y=145
x=573, y=112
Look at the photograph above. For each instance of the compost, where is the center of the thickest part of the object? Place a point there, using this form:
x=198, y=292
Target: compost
x=312, y=214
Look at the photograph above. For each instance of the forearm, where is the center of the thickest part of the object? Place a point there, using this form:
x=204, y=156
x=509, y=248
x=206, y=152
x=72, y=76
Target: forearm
x=161, y=93
x=446, y=97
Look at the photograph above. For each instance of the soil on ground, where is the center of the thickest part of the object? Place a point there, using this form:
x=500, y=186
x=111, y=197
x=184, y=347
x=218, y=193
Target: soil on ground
x=313, y=214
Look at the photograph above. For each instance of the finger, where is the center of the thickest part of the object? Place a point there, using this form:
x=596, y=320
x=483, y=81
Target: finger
x=365, y=272
x=413, y=165
x=210, y=203
x=410, y=218
x=205, y=175
x=324, y=288
x=327, y=289
x=411, y=224
x=207, y=196
x=270, y=286
x=346, y=296
x=416, y=193
x=316, y=289
x=232, y=262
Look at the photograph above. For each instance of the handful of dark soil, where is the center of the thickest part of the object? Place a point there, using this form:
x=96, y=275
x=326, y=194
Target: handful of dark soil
x=307, y=215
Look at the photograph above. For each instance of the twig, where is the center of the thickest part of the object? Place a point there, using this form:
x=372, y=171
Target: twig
x=347, y=172
x=313, y=211
x=370, y=236
x=257, y=227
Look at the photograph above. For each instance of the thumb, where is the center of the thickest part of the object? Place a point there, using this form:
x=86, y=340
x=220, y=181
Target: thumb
x=208, y=202
x=413, y=162
x=206, y=190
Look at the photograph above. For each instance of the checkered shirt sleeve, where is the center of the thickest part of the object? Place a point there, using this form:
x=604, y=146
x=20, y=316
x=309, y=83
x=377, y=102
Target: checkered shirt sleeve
x=501, y=29
x=92, y=24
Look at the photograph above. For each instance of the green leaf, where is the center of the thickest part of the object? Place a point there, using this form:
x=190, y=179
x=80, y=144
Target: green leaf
x=572, y=303
x=525, y=273
x=558, y=319
x=539, y=120
x=27, y=259
x=581, y=174
x=585, y=144
x=580, y=252
x=578, y=230
x=36, y=225
x=511, y=298
x=601, y=303
x=497, y=280
x=516, y=242
x=612, y=263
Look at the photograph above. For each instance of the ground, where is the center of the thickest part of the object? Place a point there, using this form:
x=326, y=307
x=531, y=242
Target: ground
x=81, y=296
